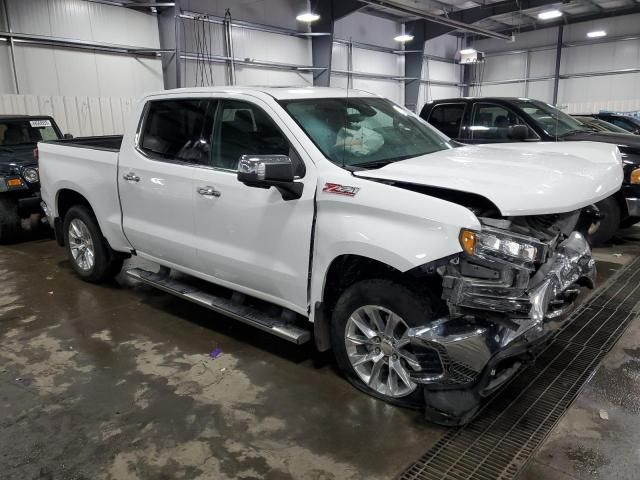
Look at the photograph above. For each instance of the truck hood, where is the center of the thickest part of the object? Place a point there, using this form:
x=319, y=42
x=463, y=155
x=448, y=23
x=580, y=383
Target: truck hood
x=627, y=140
x=16, y=157
x=530, y=179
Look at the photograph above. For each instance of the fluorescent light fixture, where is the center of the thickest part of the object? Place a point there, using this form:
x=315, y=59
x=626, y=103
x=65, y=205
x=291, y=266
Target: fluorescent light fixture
x=404, y=38
x=468, y=51
x=549, y=14
x=308, y=17
x=597, y=34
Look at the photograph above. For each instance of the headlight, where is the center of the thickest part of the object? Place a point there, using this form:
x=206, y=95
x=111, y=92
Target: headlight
x=31, y=175
x=492, y=243
x=634, y=178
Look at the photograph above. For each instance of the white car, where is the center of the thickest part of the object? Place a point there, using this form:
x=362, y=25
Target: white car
x=431, y=269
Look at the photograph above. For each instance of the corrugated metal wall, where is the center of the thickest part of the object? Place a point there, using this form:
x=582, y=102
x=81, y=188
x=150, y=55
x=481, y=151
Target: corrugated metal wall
x=80, y=116
x=88, y=92
x=576, y=95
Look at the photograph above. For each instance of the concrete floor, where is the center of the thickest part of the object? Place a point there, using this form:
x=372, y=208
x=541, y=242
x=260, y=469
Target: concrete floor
x=117, y=382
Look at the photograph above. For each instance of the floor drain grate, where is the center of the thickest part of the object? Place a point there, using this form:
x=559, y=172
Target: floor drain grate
x=510, y=427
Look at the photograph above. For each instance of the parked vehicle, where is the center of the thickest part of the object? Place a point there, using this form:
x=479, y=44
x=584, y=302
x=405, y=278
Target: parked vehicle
x=626, y=122
x=597, y=124
x=430, y=270
x=19, y=180
x=503, y=120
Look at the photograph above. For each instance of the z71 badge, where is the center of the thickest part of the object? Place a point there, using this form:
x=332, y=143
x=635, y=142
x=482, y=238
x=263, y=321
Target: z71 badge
x=340, y=189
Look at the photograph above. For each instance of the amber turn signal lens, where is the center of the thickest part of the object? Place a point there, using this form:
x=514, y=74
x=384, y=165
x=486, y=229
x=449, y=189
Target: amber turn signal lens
x=635, y=176
x=468, y=241
x=14, y=182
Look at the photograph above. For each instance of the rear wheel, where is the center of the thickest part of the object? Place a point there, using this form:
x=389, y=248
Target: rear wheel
x=607, y=225
x=10, y=223
x=369, y=330
x=88, y=251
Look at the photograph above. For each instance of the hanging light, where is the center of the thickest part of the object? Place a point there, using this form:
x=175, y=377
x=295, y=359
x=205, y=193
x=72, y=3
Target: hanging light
x=549, y=14
x=597, y=34
x=468, y=51
x=404, y=38
x=308, y=17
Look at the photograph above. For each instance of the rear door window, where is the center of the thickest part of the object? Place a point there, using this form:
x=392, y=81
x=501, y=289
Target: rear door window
x=491, y=122
x=178, y=130
x=447, y=118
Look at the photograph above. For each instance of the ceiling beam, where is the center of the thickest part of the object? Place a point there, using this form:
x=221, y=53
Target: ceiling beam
x=446, y=20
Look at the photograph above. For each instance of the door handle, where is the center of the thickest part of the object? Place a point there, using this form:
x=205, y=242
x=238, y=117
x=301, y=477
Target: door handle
x=131, y=177
x=208, y=192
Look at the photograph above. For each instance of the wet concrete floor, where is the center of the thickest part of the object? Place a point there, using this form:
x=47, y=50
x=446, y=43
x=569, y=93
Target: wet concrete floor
x=117, y=382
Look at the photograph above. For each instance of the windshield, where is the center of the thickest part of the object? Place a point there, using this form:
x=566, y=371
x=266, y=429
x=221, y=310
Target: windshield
x=600, y=125
x=364, y=132
x=553, y=121
x=26, y=132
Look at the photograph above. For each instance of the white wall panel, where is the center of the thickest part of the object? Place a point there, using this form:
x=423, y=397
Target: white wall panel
x=442, y=71
x=618, y=26
x=271, y=77
x=77, y=115
x=339, y=56
x=600, y=57
x=505, y=67
x=84, y=20
x=271, y=46
x=607, y=92
x=542, y=90
x=6, y=73
x=503, y=90
x=371, y=61
x=542, y=63
x=444, y=46
x=360, y=27
x=50, y=71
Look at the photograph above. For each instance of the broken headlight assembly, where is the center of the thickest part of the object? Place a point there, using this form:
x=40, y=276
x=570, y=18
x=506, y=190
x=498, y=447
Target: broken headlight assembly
x=507, y=247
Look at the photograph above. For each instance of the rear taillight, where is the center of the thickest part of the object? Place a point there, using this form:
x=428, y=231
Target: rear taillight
x=36, y=154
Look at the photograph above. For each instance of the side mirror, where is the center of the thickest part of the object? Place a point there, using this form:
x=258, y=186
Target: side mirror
x=67, y=136
x=266, y=171
x=518, y=132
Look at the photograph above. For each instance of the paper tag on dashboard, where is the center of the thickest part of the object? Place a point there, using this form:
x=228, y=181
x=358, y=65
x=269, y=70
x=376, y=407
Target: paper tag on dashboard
x=40, y=123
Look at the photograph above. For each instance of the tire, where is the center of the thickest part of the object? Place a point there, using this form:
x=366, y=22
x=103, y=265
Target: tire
x=10, y=223
x=604, y=228
x=389, y=298
x=91, y=257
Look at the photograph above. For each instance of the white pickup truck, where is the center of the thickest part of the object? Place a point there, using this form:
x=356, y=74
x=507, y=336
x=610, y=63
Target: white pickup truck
x=430, y=268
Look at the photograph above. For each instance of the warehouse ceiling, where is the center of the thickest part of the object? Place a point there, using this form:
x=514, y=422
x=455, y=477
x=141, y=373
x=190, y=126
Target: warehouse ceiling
x=519, y=17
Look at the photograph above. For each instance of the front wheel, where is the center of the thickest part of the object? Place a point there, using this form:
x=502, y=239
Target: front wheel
x=88, y=251
x=369, y=330
x=607, y=225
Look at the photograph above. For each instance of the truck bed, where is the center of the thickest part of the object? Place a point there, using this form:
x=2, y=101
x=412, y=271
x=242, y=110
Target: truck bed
x=104, y=142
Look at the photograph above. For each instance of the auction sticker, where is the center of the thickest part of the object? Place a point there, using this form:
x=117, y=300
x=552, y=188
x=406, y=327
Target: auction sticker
x=40, y=123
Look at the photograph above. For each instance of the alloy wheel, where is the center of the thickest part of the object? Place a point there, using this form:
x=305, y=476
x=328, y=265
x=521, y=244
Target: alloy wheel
x=379, y=350
x=81, y=244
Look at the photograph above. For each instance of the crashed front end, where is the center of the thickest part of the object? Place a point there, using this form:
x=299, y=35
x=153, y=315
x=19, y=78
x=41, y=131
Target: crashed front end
x=505, y=294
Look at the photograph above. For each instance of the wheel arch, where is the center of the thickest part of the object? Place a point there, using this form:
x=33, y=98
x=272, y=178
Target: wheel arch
x=348, y=269
x=67, y=198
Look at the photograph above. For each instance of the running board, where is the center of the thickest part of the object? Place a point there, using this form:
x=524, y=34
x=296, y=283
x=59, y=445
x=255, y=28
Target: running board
x=225, y=306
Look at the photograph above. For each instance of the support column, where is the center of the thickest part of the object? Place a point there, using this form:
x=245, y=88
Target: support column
x=322, y=44
x=413, y=61
x=556, y=77
x=12, y=50
x=169, y=34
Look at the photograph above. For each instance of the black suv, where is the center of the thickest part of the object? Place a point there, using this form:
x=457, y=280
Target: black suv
x=498, y=120
x=626, y=122
x=19, y=179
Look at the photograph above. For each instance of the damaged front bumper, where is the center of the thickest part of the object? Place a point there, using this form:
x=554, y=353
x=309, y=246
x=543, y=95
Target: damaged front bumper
x=496, y=322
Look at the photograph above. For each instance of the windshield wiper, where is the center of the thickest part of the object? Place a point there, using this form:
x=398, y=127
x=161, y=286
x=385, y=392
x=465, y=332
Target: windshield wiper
x=373, y=164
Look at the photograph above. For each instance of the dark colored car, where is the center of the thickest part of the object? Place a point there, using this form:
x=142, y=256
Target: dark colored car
x=499, y=119
x=626, y=122
x=19, y=179
x=597, y=124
